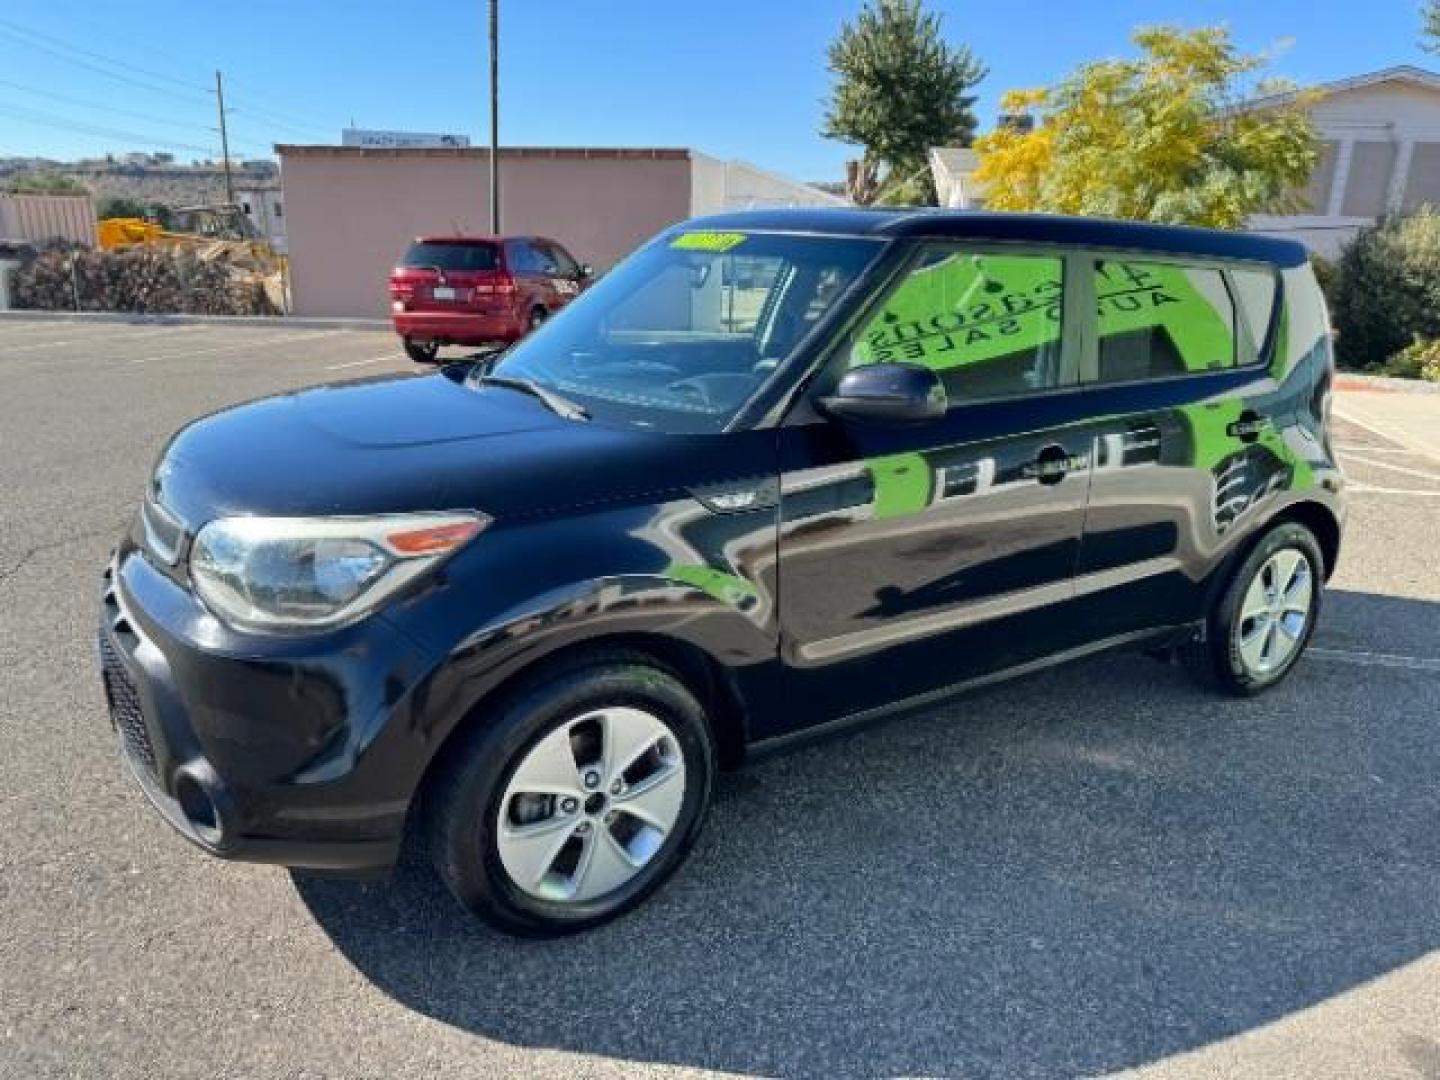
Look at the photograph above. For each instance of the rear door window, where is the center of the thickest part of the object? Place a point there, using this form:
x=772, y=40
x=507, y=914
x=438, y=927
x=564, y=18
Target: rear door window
x=451, y=257
x=1159, y=319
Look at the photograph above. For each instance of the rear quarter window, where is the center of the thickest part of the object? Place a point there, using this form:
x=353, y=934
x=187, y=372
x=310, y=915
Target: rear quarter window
x=1255, y=297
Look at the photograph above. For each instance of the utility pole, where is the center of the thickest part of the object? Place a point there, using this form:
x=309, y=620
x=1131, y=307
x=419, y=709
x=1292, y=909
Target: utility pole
x=224, y=139
x=495, y=117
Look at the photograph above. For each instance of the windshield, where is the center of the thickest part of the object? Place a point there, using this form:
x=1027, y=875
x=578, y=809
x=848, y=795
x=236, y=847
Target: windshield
x=452, y=256
x=683, y=333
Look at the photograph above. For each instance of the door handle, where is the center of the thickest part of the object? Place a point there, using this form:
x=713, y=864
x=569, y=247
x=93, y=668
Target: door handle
x=1052, y=465
x=1249, y=427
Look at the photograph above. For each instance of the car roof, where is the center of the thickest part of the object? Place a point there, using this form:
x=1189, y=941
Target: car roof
x=451, y=238
x=895, y=223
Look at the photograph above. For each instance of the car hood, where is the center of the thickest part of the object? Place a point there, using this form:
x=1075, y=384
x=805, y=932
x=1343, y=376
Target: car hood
x=396, y=445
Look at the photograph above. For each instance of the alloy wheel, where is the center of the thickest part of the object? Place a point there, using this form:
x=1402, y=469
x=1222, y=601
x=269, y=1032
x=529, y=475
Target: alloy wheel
x=1275, y=612
x=590, y=805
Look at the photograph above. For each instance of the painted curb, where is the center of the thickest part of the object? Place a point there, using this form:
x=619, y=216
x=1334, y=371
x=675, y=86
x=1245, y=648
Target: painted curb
x=138, y=318
x=1383, y=384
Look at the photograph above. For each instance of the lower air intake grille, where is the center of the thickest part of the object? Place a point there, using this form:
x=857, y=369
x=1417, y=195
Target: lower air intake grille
x=125, y=706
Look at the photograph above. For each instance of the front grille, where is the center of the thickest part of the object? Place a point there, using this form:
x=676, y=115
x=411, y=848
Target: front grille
x=125, y=706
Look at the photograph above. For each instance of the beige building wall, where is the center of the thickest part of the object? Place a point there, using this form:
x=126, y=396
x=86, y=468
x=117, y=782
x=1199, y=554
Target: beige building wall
x=351, y=211
x=1380, y=133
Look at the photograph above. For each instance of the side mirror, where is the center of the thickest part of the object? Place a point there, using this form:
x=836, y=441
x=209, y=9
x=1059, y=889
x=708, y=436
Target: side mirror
x=887, y=394
x=586, y=272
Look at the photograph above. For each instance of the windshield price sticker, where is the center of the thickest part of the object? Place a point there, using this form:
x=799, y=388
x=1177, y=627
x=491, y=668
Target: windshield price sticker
x=707, y=241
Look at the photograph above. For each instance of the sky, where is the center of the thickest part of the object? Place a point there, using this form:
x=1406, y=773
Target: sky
x=733, y=78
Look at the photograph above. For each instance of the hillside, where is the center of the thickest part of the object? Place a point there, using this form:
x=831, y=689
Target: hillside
x=170, y=184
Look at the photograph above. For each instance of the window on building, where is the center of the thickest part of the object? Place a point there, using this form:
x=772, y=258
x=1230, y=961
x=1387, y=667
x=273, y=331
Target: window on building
x=989, y=324
x=1367, y=185
x=279, y=209
x=1158, y=319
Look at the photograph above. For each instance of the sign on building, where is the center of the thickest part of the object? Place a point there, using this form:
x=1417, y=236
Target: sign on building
x=395, y=140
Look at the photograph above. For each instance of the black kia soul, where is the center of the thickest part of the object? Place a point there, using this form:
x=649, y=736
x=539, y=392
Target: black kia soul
x=778, y=473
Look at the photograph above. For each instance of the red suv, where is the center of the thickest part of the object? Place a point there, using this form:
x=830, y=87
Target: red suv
x=462, y=290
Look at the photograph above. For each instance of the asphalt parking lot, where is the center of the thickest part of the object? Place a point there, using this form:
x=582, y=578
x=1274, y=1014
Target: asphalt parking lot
x=1095, y=870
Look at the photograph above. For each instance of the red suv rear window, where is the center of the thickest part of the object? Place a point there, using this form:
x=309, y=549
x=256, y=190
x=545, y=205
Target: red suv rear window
x=452, y=257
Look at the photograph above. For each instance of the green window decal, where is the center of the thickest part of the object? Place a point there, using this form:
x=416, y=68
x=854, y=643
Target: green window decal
x=1158, y=319
x=990, y=324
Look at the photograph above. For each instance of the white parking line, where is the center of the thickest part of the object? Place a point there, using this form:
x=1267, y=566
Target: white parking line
x=361, y=363
x=259, y=345
x=90, y=339
x=1374, y=659
x=1376, y=429
x=1393, y=468
x=1356, y=488
x=1361, y=448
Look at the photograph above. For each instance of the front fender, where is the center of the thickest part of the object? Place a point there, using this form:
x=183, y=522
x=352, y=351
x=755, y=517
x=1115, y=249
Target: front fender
x=520, y=593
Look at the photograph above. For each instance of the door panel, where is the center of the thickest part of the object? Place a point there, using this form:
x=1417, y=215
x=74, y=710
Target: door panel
x=912, y=561
x=914, y=558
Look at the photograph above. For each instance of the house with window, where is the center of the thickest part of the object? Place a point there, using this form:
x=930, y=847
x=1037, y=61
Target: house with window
x=1379, y=154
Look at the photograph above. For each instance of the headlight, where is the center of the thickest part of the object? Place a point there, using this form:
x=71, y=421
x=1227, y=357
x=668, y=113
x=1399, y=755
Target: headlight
x=298, y=574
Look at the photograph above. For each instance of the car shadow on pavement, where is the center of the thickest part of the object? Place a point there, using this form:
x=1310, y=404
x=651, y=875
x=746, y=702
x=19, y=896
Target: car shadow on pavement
x=1073, y=873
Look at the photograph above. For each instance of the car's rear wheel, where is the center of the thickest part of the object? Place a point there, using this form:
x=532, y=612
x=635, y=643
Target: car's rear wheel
x=422, y=352
x=1264, y=618
x=576, y=800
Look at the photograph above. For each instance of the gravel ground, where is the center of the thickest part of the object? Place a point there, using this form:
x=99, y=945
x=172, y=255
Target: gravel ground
x=1093, y=870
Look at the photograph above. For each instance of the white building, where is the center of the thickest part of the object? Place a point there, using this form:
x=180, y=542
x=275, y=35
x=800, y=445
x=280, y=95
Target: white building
x=1379, y=154
x=953, y=168
x=264, y=205
x=717, y=185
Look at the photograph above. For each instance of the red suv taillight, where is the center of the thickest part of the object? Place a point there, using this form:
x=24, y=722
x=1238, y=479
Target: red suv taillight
x=400, y=287
x=497, y=284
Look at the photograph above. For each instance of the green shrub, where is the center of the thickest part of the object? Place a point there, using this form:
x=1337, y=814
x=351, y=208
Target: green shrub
x=1418, y=360
x=1325, y=274
x=1386, y=291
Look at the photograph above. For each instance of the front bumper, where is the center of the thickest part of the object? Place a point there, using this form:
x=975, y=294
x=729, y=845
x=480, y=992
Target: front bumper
x=303, y=753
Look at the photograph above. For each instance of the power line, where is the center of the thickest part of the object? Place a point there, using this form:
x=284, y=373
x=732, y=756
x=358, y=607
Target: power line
x=281, y=118
x=82, y=103
x=117, y=76
x=59, y=48
x=251, y=111
x=50, y=120
x=254, y=144
x=113, y=61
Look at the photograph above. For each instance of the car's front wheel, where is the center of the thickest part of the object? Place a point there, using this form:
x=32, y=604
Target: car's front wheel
x=576, y=800
x=1264, y=618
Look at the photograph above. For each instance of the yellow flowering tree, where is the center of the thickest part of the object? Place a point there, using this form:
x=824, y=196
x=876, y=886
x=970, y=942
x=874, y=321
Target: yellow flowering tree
x=1156, y=138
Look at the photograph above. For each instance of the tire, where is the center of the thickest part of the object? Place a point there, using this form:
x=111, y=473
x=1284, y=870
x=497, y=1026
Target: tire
x=537, y=319
x=422, y=352
x=558, y=870
x=1244, y=653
